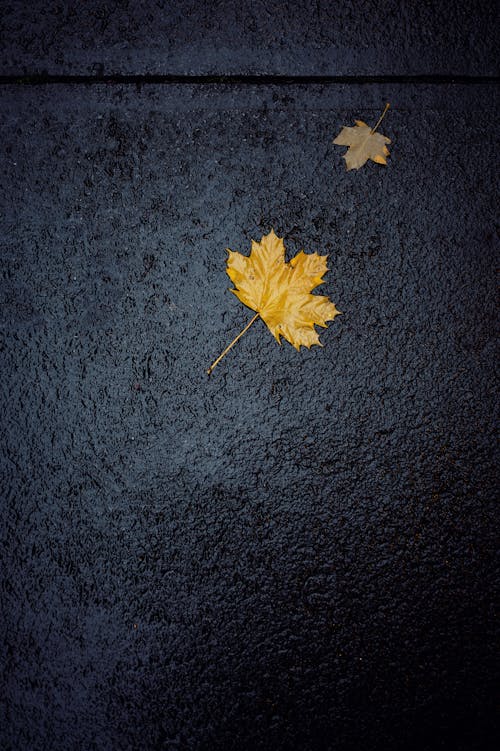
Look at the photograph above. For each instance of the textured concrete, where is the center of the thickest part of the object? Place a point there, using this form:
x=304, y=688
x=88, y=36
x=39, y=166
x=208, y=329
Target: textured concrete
x=301, y=37
x=297, y=553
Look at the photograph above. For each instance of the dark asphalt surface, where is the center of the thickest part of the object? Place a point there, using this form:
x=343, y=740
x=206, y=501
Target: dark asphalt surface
x=297, y=553
x=299, y=37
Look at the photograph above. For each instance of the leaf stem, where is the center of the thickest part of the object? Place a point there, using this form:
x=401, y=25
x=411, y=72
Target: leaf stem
x=381, y=117
x=216, y=362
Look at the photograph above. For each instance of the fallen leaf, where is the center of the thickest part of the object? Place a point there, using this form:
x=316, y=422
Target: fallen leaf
x=364, y=143
x=280, y=292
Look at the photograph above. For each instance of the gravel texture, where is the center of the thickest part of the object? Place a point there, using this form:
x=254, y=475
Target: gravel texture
x=298, y=552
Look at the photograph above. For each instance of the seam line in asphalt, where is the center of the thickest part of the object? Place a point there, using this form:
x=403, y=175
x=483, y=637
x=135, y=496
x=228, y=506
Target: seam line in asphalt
x=241, y=80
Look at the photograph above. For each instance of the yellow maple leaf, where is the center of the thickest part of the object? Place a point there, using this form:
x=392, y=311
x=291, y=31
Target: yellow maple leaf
x=280, y=292
x=364, y=143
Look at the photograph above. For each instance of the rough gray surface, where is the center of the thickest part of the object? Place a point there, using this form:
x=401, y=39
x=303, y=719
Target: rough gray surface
x=375, y=37
x=297, y=553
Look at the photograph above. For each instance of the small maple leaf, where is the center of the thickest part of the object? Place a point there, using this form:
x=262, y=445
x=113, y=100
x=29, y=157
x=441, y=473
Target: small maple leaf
x=364, y=144
x=280, y=292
